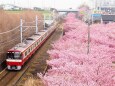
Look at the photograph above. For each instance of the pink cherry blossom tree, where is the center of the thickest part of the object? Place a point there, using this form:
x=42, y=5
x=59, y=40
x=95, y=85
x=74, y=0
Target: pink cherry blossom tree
x=72, y=66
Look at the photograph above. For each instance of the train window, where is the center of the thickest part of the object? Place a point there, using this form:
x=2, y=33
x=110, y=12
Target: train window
x=39, y=41
x=29, y=50
x=45, y=34
x=41, y=38
x=14, y=55
x=17, y=55
x=26, y=53
x=10, y=55
x=31, y=47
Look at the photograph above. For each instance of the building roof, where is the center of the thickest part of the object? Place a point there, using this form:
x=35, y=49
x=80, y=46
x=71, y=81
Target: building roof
x=108, y=17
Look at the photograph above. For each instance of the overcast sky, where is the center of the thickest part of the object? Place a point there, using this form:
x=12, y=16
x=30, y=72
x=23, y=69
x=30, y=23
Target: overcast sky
x=60, y=4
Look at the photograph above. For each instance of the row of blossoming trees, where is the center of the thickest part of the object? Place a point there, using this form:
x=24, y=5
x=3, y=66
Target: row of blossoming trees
x=72, y=65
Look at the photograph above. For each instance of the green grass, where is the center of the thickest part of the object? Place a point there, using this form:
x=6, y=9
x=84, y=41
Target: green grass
x=18, y=11
x=46, y=13
x=10, y=11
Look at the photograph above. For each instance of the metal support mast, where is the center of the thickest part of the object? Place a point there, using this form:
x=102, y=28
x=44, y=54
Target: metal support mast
x=21, y=25
x=88, y=47
x=44, y=21
x=36, y=24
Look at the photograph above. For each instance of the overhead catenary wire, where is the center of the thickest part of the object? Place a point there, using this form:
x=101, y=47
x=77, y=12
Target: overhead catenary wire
x=14, y=36
x=10, y=30
x=10, y=40
x=29, y=26
x=26, y=29
x=18, y=27
x=29, y=22
x=5, y=41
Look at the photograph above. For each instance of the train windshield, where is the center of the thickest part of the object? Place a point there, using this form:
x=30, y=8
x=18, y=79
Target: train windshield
x=14, y=55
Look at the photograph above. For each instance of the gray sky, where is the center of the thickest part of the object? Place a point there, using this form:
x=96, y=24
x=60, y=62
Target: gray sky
x=60, y=4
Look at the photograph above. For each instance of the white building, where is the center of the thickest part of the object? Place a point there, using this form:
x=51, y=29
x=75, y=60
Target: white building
x=10, y=7
x=104, y=3
x=7, y=7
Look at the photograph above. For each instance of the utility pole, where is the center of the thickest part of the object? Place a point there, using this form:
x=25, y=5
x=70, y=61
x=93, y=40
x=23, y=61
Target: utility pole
x=88, y=45
x=21, y=25
x=44, y=21
x=29, y=4
x=36, y=24
x=54, y=3
x=14, y=2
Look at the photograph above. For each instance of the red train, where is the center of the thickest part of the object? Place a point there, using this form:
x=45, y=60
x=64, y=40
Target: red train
x=19, y=54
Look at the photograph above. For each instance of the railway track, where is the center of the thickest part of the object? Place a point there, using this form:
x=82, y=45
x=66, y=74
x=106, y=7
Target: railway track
x=36, y=64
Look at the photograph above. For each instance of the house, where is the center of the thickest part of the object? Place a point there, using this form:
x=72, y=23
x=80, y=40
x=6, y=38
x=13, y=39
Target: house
x=37, y=8
x=10, y=7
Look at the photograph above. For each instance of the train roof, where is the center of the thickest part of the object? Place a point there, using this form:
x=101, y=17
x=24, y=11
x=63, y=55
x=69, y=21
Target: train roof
x=27, y=42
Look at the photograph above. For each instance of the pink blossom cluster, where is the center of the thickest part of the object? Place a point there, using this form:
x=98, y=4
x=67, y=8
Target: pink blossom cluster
x=69, y=25
x=83, y=10
x=72, y=65
x=104, y=34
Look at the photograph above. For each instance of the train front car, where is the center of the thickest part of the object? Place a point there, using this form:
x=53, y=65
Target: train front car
x=14, y=60
x=20, y=53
